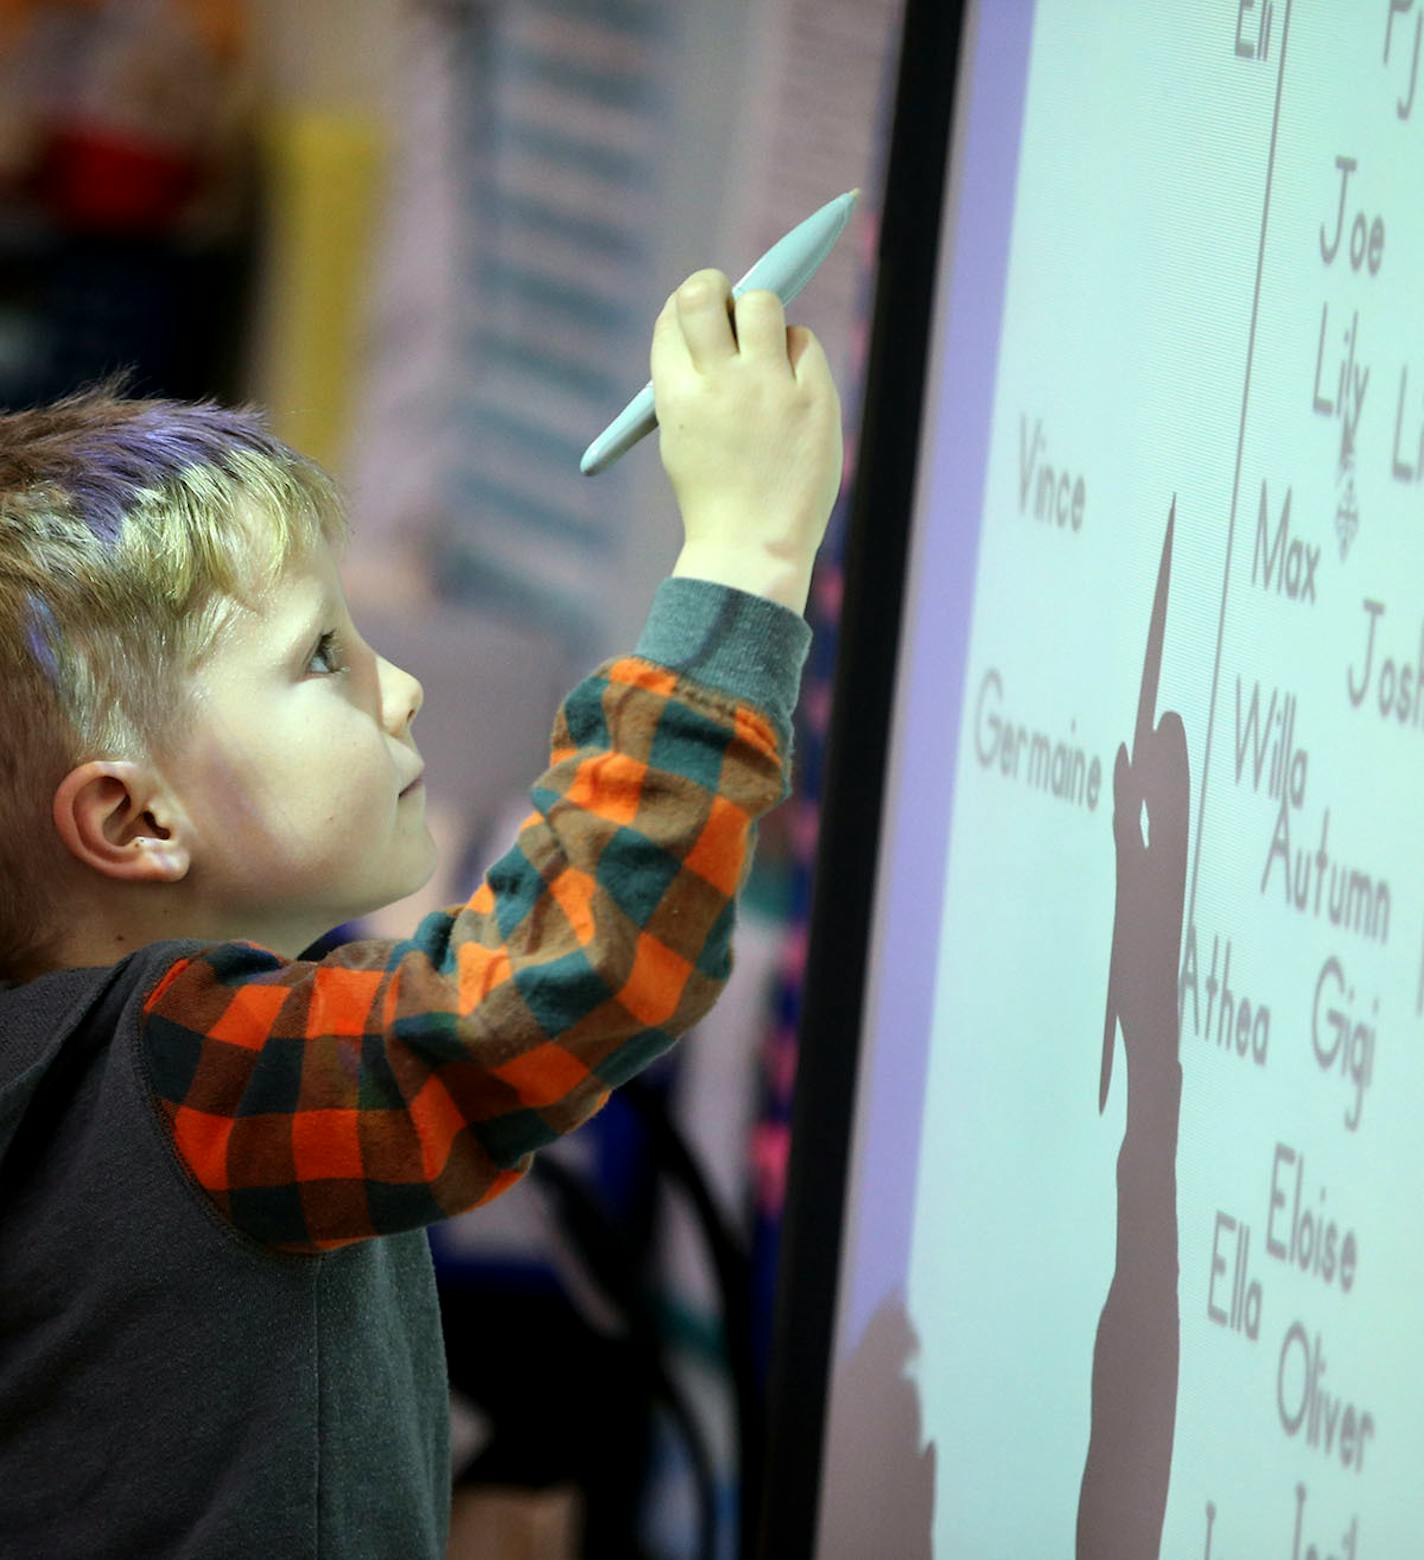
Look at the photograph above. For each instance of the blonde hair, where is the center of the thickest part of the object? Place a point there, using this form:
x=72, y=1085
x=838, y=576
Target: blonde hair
x=131, y=532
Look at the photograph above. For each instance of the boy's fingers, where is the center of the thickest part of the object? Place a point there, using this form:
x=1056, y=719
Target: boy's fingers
x=761, y=326
x=806, y=355
x=669, y=350
x=703, y=310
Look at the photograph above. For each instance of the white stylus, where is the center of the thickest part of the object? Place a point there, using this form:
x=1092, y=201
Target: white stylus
x=784, y=269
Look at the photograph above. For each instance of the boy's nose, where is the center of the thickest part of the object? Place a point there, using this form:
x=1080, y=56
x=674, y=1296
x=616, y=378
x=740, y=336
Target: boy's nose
x=402, y=693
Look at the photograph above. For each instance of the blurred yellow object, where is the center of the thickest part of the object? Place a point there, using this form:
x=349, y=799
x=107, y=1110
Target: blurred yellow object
x=324, y=177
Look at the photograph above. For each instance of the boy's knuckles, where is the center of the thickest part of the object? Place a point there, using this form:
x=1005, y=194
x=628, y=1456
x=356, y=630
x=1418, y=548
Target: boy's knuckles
x=760, y=300
x=703, y=287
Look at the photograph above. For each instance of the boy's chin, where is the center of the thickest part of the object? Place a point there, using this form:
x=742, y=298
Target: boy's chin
x=395, y=916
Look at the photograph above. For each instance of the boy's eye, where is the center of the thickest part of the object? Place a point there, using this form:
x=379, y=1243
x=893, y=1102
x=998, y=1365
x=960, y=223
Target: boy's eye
x=328, y=647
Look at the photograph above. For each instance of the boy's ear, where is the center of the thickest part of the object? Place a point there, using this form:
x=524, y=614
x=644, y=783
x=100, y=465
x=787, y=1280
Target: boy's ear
x=115, y=818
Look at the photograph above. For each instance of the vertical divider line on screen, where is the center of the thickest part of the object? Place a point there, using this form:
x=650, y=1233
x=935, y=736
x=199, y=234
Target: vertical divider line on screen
x=1236, y=480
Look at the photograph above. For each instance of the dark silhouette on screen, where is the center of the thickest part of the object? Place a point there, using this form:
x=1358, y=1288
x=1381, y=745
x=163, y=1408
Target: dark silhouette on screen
x=879, y=1482
x=1128, y=1468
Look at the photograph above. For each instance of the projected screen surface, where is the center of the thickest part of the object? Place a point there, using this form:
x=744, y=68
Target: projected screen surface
x=1132, y=1256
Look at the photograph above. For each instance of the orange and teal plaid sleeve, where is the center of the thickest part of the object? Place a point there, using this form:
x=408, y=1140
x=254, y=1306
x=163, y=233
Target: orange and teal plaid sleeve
x=392, y=1084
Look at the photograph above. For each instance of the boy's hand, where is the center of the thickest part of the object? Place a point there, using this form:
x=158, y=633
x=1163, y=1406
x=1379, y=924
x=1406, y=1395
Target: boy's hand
x=750, y=437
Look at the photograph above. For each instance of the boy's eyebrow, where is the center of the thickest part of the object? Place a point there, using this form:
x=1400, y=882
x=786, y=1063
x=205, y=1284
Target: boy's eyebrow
x=313, y=622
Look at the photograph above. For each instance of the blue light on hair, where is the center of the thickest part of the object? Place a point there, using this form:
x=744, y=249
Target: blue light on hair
x=42, y=634
x=120, y=462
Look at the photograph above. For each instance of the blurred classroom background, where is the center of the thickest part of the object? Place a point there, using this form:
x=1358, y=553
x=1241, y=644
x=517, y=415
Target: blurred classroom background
x=430, y=237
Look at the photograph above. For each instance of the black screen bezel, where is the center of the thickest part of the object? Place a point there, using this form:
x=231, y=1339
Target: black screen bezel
x=857, y=753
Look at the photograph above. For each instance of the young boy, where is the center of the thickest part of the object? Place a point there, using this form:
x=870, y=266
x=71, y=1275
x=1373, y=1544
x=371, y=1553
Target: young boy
x=218, y=1324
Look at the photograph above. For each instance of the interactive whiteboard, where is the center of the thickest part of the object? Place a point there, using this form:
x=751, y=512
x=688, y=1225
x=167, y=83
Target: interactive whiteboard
x=1133, y=1256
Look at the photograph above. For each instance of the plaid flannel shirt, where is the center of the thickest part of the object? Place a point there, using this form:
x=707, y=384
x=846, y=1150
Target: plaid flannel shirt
x=392, y=1084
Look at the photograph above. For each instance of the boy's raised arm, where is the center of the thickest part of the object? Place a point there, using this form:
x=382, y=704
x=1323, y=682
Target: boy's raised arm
x=393, y=1084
